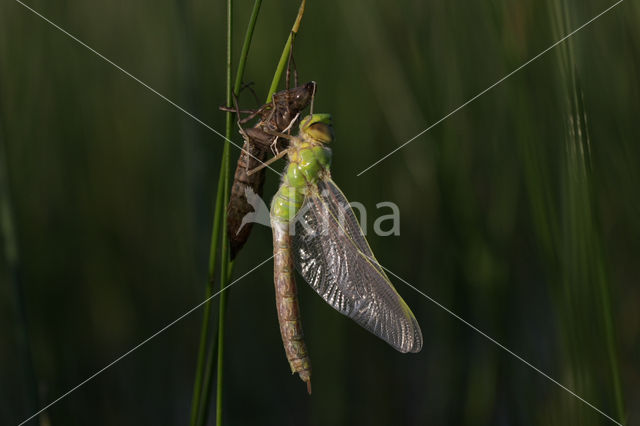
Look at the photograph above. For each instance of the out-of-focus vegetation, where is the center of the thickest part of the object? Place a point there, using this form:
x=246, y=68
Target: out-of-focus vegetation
x=520, y=212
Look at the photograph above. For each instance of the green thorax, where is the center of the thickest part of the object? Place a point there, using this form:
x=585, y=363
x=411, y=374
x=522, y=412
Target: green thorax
x=309, y=160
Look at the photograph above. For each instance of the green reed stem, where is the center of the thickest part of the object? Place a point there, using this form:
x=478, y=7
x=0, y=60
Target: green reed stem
x=204, y=371
x=206, y=318
x=246, y=45
x=284, y=57
x=222, y=303
x=200, y=406
x=208, y=372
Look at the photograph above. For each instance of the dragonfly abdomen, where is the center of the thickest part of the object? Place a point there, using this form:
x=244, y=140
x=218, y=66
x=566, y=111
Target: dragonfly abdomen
x=286, y=203
x=239, y=207
x=287, y=303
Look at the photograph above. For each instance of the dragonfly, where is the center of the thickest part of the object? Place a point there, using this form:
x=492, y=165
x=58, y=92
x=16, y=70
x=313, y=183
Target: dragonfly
x=276, y=116
x=316, y=233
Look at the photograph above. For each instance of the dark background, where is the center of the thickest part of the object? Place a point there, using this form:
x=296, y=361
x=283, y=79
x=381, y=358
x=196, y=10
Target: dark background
x=520, y=212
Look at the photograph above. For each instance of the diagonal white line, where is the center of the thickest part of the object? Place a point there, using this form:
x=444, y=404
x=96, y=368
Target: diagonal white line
x=136, y=79
x=501, y=346
x=139, y=345
x=491, y=87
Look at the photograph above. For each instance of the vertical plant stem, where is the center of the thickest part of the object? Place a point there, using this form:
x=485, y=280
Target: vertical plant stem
x=208, y=372
x=285, y=52
x=225, y=250
x=224, y=268
x=206, y=318
x=246, y=44
x=202, y=383
x=204, y=371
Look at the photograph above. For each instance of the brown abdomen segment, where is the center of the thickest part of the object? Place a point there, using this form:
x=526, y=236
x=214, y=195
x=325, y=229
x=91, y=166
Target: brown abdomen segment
x=238, y=205
x=287, y=304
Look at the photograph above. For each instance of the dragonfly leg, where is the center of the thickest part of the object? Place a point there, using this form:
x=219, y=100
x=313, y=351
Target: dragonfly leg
x=271, y=160
x=274, y=144
x=286, y=129
x=257, y=112
x=249, y=86
x=233, y=109
x=279, y=134
x=313, y=97
x=239, y=121
x=251, y=113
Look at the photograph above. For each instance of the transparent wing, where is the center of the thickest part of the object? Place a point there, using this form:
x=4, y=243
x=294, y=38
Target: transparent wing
x=334, y=258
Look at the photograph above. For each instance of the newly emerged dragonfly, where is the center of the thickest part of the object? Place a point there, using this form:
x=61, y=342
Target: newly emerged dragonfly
x=316, y=233
x=276, y=116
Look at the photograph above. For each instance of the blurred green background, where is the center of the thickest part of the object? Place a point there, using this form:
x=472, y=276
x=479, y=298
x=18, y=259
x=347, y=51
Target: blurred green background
x=520, y=212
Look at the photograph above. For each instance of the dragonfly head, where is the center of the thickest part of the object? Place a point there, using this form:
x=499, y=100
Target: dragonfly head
x=317, y=127
x=300, y=97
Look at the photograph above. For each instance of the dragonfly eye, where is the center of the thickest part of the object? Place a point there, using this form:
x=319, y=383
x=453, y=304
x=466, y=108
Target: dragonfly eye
x=321, y=132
